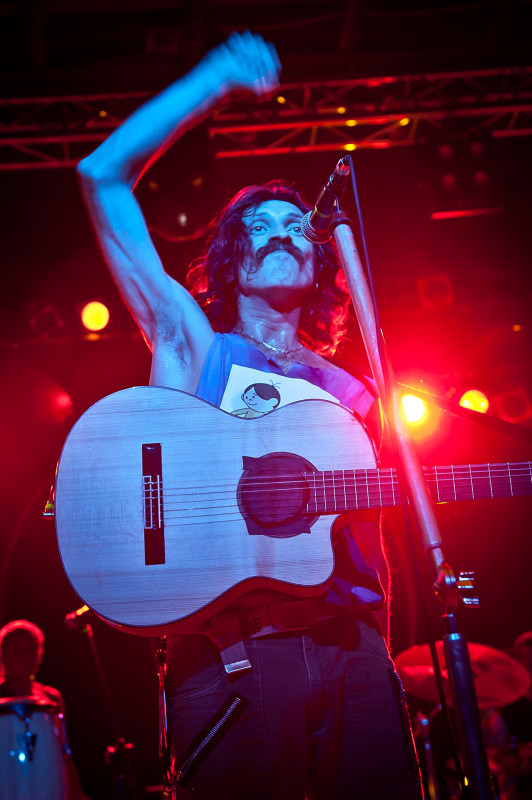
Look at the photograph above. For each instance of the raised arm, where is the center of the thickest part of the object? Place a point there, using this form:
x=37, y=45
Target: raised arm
x=174, y=326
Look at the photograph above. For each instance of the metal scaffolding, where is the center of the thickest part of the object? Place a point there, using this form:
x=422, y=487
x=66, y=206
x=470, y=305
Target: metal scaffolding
x=307, y=117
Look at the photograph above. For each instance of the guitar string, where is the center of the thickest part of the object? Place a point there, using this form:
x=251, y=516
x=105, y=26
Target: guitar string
x=232, y=512
x=384, y=475
x=375, y=495
x=364, y=493
x=345, y=479
x=323, y=501
x=323, y=506
x=350, y=479
x=290, y=481
x=327, y=505
x=363, y=502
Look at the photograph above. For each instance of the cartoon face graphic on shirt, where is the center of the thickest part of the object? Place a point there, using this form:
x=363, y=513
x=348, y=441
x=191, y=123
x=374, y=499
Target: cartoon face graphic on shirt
x=259, y=399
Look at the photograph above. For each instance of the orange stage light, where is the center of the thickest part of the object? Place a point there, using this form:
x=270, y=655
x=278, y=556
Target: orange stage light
x=475, y=400
x=95, y=316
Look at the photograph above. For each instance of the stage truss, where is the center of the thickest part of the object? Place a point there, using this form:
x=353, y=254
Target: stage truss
x=399, y=111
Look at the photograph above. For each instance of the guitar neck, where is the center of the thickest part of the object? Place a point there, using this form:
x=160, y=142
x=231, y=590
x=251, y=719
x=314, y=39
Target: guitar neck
x=335, y=491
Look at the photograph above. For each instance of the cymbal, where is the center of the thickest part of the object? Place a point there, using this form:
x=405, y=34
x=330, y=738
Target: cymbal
x=499, y=679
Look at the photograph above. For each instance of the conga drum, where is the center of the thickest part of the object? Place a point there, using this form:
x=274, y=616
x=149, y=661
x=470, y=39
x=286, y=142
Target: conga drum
x=32, y=761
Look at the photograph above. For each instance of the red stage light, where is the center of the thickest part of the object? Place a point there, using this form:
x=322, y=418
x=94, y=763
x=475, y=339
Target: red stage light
x=95, y=316
x=59, y=404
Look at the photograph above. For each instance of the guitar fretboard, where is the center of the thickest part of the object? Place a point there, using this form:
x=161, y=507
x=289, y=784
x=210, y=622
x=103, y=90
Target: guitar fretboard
x=334, y=491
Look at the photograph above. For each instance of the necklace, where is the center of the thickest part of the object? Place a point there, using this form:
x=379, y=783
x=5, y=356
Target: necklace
x=282, y=350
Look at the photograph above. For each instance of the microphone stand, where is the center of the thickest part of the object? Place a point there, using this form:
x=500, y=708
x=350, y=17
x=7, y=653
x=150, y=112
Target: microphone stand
x=118, y=755
x=420, y=510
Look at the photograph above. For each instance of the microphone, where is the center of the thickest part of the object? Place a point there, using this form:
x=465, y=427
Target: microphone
x=315, y=225
x=73, y=621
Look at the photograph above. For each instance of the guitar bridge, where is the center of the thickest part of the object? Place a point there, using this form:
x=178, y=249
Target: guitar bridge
x=152, y=484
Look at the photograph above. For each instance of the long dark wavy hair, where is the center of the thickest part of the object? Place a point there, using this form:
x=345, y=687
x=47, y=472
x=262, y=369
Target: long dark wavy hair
x=213, y=277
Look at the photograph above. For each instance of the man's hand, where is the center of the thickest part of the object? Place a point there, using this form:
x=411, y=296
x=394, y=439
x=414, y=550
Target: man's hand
x=245, y=61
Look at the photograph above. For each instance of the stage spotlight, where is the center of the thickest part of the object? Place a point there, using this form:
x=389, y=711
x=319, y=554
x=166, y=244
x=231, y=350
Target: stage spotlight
x=95, y=316
x=475, y=400
x=60, y=404
x=435, y=291
x=414, y=408
x=44, y=320
x=513, y=405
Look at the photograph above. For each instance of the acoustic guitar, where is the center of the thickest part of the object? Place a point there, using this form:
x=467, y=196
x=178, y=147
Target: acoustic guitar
x=167, y=508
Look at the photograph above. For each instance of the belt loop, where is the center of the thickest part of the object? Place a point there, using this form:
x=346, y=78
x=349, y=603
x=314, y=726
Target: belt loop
x=235, y=658
x=224, y=631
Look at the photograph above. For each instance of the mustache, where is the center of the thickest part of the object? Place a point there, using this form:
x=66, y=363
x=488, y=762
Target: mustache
x=280, y=244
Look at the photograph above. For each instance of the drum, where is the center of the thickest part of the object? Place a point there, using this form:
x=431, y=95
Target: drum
x=32, y=761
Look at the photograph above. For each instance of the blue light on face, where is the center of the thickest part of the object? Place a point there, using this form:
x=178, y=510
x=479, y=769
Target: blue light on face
x=21, y=758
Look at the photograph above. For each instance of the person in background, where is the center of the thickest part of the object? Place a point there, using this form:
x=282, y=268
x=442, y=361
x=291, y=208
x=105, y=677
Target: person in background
x=35, y=759
x=516, y=755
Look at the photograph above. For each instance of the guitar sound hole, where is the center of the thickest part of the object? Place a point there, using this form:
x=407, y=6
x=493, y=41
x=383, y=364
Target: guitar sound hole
x=273, y=495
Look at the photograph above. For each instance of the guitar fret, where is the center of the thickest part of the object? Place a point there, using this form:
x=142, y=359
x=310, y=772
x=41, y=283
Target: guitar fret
x=437, y=484
x=359, y=487
x=345, y=490
x=329, y=484
x=510, y=479
x=352, y=498
x=482, y=483
x=148, y=521
x=481, y=487
x=159, y=499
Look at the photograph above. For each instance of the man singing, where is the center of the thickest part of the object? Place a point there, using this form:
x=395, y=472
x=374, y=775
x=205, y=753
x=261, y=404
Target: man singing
x=323, y=714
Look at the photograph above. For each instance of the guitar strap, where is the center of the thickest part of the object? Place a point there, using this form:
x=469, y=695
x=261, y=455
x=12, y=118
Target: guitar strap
x=229, y=629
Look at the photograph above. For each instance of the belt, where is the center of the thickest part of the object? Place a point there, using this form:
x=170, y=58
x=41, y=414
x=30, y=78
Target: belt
x=229, y=629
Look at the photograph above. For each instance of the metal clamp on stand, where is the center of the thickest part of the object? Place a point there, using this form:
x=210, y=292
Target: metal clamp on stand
x=451, y=592
x=165, y=754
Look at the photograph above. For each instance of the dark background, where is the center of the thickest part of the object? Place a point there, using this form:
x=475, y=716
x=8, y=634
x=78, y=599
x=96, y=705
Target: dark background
x=451, y=293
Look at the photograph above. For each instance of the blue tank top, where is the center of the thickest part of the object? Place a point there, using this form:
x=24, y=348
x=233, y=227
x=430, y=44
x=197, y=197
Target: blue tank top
x=242, y=380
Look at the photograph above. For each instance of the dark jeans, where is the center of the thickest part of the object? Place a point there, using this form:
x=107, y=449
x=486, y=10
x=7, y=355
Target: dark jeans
x=325, y=718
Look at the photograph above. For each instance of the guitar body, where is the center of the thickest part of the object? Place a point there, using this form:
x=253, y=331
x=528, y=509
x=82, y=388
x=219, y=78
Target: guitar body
x=212, y=554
